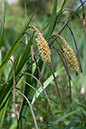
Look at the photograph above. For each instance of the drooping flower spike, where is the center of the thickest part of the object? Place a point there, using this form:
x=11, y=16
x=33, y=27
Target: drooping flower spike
x=69, y=55
x=43, y=47
x=79, y=60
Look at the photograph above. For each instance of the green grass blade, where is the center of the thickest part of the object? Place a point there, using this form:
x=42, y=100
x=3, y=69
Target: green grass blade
x=53, y=22
x=55, y=17
x=71, y=124
x=65, y=116
x=7, y=88
x=46, y=83
x=2, y=30
x=3, y=112
x=84, y=112
x=2, y=22
x=24, y=56
x=72, y=16
x=26, y=16
x=5, y=93
x=15, y=63
x=59, y=15
x=16, y=43
x=29, y=92
x=13, y=125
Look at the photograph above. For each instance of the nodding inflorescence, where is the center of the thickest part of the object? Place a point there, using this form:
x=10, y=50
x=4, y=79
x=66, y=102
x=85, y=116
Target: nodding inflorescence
x=71, y=58
x=69, y=55
x=43, y=47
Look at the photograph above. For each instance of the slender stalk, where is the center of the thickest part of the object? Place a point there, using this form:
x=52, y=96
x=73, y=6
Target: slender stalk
x=62, y=60
x=66, y=68
x=27, y=34
x=38, y=70
x=70, y=91
x=58, y=44
x=60, y=31
x=55, y=82
x=14, y=106
x=68, y=9
x=23, y=43
x=43, y=90
x=30, y=108
x=4, y=80
x=83, y=10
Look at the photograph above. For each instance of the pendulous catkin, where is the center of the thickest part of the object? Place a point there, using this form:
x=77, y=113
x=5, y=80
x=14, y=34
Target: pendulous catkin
x=69, y=55
x=43, y=47
x=71, y=58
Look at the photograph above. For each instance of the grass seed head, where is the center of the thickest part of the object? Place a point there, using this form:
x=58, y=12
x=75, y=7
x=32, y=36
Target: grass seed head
x=71, y=58
x=69, y=55
x=43, y=47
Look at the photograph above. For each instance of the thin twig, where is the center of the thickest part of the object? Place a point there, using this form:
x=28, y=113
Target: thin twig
x=70, y=91
x=68, y=9
x=38, y=70
x=23, y=43
x=62, y=60
x=62, y=27
x=55, y=82
x=4, y=80
x=66, y=68
x=59, y=31
x=30, y=108
x=43, y=90
x=58, y=44
x=27, y=34
x=14, y=106
x=83, y=10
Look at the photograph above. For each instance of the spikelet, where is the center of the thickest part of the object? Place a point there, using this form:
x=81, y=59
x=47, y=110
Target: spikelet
x=69, y=55
x=71, y=58
x=42, y=46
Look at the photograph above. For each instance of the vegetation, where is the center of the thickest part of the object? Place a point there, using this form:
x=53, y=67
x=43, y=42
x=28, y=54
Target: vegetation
x=38, y=92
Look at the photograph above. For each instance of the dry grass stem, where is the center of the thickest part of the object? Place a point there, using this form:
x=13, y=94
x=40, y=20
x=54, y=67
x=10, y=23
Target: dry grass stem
x=43, y=90
x=30, y=108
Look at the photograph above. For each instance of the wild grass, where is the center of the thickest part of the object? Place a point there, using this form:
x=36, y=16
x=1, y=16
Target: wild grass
x=53, y=96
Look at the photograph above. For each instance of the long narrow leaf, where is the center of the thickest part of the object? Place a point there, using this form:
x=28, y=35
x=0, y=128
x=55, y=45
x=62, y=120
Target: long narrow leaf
x=59, y=15
x=3, y=112
x=2, y=30
x=16, y=43
x=2, y=22
x=53, y=22
x=65, y=116
x=71, y=124
x=71, y=17
x=24, y=56
x=46, y=83
x=7, y=88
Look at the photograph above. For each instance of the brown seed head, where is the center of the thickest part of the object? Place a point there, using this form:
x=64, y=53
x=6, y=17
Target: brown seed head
x=43, y=47
x=71, y=58
x=69, y=55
